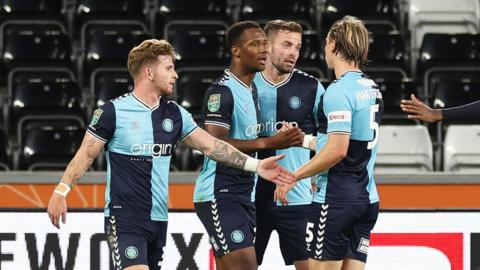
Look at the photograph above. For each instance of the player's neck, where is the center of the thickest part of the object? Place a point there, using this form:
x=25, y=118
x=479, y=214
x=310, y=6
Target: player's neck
x=274, y=75
x=149, y=98
x=243, y=74
x=342, y=67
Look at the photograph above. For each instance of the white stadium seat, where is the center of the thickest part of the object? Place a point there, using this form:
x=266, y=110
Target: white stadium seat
x=404, y=149
x=462, y=149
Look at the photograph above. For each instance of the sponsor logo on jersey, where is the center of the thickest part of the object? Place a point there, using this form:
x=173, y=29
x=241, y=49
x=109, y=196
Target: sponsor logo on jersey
x=214, y=102
x=340, y=116
x=154, y=150
x=267, y=128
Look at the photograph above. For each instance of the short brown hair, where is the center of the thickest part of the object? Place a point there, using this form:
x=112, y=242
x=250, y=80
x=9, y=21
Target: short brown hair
x=146, y=53
x=351, y=40
x=272, y=27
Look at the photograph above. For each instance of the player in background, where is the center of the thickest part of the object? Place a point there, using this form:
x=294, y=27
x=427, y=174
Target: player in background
x=416, y=109
x=285, y=95
x=138, y=131
x=224, y=197
x=345, y=205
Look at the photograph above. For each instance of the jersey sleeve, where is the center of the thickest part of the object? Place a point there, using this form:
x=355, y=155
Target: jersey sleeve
x=338, y=110
x=218, y=106
x=188, y=124
x=102, y=125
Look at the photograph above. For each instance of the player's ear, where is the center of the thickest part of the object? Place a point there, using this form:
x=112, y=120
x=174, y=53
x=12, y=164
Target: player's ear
x=235, y=51
x=149, y=73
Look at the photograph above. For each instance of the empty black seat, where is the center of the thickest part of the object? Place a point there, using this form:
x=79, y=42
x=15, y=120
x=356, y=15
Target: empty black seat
x=5, y=163
x=43, y=93
x=109, y=45
x=38, y=45
x=48, y=148
x=377, y=14
x=387, y=50
x=301, y=11
x=109, y=84
x=448, y=50
x=312, y=56
x=451, y=89
x=173, y=13
x=88, y=10
x=32, y=10
x=201, y=49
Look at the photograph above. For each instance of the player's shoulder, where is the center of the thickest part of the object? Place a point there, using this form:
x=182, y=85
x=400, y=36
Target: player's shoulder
x=220, y=86
x=304, y=76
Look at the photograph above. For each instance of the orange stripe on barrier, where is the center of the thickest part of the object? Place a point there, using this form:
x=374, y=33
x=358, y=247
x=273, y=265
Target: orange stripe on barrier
x=392, y=196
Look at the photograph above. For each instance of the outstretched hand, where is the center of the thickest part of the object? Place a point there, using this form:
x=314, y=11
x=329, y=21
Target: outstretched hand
x=57, y=208
x=280, y=193
x=416, y=109
x=269, y=170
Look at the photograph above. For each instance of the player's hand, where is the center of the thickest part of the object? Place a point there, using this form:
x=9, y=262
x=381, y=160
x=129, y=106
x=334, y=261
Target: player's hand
x=280, y=193
x=416, y=109
x=288, y=138
x=57, y=207
x=269, y=170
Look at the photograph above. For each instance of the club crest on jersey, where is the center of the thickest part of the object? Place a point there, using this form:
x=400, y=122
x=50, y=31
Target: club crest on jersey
x=237, y=236
x=96, y=117
x=131, y=252
x=214, y=102
x=167, y=125
x=295, y=102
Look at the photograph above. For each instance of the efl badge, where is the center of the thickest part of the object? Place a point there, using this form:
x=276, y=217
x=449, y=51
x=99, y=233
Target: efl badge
x=214, y=102
x=96, y=116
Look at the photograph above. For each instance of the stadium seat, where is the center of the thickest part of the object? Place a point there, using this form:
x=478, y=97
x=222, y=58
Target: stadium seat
x=378, y=15
x=91, y=10
x=301, y=11
x=107, y=84
x=37, y=45
x=404, y=149
x=34, y=93
x=32, y=10
x=462, y=149
x=173, y=13
x=108, y=45
x=448, y=50
x=451, y=89
x=387, y=50
x=394, y=86
x=312, y=56
x=444, y=16
x=37, y=153
x=186, y=159
x=4, y=151
x=202, y=49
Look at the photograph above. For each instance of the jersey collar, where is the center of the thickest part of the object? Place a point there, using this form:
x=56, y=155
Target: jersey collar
x=144, y=104
x=229, y=73
x=278, y=84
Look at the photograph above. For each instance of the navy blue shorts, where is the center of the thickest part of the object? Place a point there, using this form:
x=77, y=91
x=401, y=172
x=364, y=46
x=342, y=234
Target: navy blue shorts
x=289, y=222
x=229, y=223
x=338, y=231
x=132, y=241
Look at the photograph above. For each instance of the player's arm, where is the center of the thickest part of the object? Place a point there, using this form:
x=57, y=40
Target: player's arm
x=86, y=154
x=281, y=140
x=99, y=131
x=225, y=153
x=332, y=153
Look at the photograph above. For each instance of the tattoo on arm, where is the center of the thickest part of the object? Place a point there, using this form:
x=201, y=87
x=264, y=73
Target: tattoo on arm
x=226, y=154
x=76, y=168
